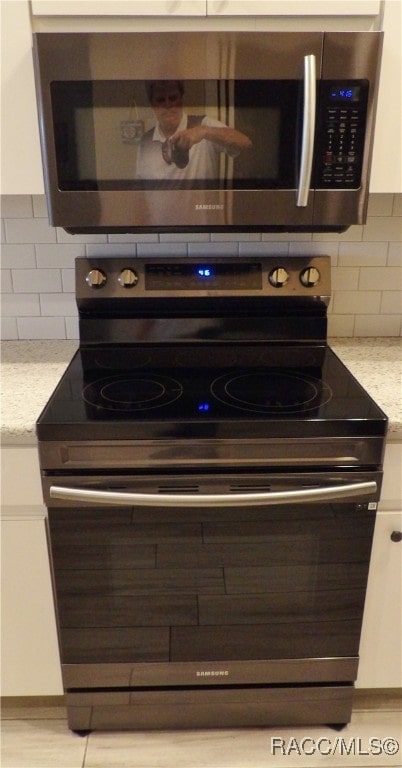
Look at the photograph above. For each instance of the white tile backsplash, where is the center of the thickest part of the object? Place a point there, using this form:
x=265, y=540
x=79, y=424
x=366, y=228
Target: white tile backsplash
x=65, y=237
x=142, y=238
x=57, y=255
x=281, y=236
x=380, y=205
x=244, y=237
x=20, y=304
x=315, y=249
x=39, y=206
x=114, y=249
x=29, y=231
x=383, y=228
x=162, y=249
x=391, y=302
x=68, y=281
x=183, y=237
x=374, y=278
x=341, y=326
x=18, y=256
x=263, y=249
x=363, y=254
x=352, y=235
x=6, y=282
x=38, y=266
x=36, y=280
x=208, y=249
x=41, y=328
x=345, y=278
x=57, y=305
x=9, y=328
x=72, y=328
x=394, y=255
x=397, y=207
x=18, y=206
x=360, y=302
x=377, y=325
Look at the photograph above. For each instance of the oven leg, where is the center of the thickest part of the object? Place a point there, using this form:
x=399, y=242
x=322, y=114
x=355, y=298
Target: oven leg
x=82, y=733
x=337, y=726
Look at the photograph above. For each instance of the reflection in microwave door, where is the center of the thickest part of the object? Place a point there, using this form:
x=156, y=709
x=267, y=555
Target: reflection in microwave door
x=131, y=131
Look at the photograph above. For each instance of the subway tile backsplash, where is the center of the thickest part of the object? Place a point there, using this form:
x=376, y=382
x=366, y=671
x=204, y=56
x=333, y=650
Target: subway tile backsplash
x=37, y=266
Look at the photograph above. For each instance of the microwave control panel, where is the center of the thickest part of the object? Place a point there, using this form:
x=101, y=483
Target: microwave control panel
x=341, y=132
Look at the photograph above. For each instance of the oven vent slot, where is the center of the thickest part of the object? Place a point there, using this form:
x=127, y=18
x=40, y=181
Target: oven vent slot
x=250, y=488
x=171, y=488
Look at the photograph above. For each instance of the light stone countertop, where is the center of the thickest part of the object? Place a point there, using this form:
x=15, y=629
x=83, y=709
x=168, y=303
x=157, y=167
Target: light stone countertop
x=30, y=371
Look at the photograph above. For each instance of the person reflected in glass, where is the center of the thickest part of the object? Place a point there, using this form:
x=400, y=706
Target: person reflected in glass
x=182, y=146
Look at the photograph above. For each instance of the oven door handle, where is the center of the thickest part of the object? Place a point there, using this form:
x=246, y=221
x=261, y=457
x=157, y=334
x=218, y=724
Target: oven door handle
x=307, y=149
x=329, y=493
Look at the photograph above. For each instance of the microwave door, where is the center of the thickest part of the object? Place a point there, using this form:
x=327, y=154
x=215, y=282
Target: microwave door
x=124, y=171
x=99, y=114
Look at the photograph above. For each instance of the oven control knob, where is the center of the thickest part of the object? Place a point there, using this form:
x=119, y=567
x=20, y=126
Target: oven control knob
x=127, y=278
x=96, y=278
x=309, y=277
x=278, y=277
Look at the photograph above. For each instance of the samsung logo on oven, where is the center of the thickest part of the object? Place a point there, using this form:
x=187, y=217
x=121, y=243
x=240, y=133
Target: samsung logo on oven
x=209, y=207
x=213, y=673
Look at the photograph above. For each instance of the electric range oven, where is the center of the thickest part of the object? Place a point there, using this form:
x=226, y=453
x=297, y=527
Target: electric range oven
x=212, y=472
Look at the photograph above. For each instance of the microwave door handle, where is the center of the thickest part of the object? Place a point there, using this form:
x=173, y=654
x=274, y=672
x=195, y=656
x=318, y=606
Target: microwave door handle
x=307, y=149
x=329, y=493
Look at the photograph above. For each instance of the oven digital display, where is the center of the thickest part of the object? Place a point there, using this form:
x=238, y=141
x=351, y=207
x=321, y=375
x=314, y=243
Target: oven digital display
x=189, y=277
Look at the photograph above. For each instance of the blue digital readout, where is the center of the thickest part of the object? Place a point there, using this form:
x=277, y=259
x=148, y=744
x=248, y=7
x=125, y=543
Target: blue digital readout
x=344, y=94
x=204, y=272
x=204, y=407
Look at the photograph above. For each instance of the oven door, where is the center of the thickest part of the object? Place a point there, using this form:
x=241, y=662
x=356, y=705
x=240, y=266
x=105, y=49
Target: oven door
x=217, y=580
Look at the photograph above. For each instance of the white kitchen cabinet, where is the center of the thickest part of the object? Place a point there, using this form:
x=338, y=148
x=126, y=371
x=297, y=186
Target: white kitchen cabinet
x=381, y=643
x=119, y=7
x=293, y=7
x=202, y=7
x=21, y=167
x=381, y=646
x=30, y=658
x=29, y=647
x=386, y=171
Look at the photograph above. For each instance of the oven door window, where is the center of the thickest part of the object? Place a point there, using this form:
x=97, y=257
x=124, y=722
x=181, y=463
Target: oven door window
x=161, y=585
x=234, y=134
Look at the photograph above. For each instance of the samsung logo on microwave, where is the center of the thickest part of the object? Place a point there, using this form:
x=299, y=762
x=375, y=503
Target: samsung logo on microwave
x=213, y=673
x=209, y=207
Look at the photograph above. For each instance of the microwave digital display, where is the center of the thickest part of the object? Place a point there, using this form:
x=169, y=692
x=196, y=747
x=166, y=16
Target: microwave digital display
x=207, y=134
x=345, y=93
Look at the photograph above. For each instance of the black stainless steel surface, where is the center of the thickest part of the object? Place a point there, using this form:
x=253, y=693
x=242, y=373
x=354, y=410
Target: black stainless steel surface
x=305, y=103
x=212, y=472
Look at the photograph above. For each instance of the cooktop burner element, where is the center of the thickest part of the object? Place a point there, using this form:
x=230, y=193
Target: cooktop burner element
x=271, y=391
x=132, y=392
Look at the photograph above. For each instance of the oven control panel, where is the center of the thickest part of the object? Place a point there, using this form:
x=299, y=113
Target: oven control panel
x=121, y=277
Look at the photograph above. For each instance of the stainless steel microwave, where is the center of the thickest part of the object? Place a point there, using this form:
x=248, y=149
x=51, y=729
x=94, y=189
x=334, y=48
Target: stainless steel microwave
x=207, y=131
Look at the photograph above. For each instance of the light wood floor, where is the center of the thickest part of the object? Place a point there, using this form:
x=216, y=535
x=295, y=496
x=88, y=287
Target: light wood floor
x=35, y=735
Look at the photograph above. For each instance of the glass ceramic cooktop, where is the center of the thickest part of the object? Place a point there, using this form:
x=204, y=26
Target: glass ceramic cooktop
x=130, y=394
